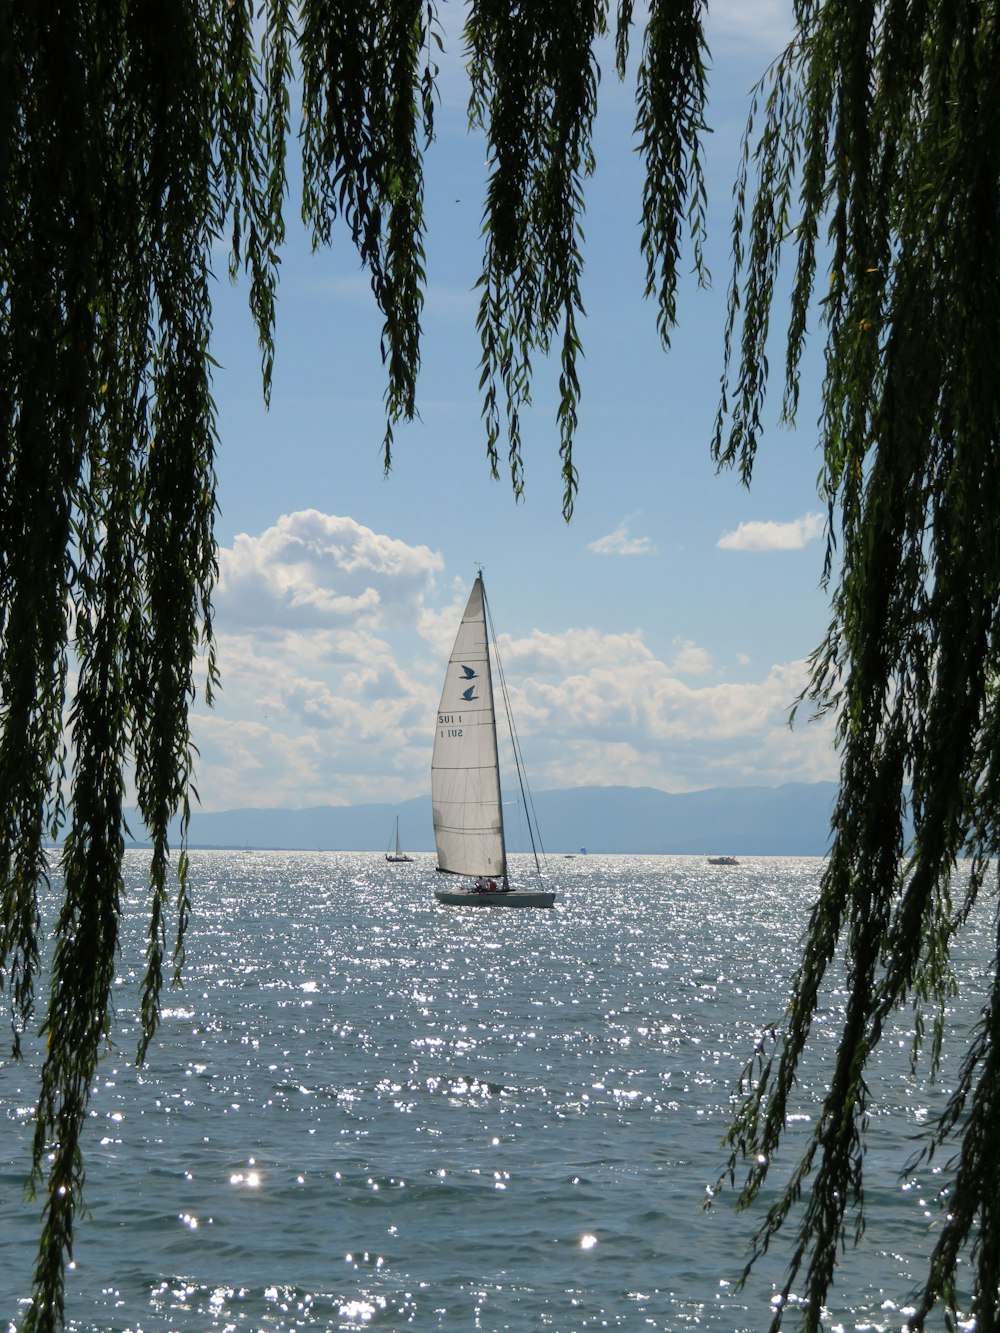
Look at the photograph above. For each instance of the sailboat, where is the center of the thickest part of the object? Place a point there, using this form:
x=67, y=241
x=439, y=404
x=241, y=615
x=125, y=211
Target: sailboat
x=465, y=776
x=398, y=854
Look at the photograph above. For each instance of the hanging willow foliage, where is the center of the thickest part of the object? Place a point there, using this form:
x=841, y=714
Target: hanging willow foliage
x=139, y=140
x=879, y=159
x=534, y=94
x=135, y=136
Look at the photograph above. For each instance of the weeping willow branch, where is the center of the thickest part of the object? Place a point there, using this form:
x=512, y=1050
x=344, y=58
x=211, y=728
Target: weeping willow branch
x=534, y=94
x=133, y=139
x=876, y=158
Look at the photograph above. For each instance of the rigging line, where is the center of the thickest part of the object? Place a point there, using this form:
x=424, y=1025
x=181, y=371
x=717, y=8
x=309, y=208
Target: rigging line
x=527, y=800
x=531, y=819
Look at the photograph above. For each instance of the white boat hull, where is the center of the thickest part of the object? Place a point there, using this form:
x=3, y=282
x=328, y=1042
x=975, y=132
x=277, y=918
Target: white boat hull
x=459, y=897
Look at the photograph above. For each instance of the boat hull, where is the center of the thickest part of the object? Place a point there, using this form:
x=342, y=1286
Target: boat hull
x=512, y=898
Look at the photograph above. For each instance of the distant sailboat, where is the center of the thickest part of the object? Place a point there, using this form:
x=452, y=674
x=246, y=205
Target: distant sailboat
x=465, y=776
x=398, y=854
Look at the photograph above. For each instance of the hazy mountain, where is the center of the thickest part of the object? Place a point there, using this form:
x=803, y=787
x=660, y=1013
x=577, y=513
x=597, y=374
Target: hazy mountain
x=792, y=820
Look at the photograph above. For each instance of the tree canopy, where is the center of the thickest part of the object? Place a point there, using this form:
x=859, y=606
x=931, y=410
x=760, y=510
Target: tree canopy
x=136, y=138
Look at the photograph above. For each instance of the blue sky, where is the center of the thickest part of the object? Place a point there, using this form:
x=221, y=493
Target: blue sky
x=659, y=639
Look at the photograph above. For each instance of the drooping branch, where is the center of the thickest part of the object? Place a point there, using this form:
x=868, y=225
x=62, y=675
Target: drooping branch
x=535, y=81
x=534, y=94
x=368, y=97
x=133, y=139
x=117, y=180
x=875, y=128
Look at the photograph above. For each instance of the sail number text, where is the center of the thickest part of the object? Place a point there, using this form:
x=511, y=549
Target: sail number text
x=450, y=724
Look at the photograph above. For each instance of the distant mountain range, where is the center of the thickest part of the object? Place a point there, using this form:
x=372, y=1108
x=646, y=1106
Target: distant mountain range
x=792, y=820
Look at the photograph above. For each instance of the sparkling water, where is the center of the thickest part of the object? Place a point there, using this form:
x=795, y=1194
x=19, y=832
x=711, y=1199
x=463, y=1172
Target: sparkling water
x=365, y=1110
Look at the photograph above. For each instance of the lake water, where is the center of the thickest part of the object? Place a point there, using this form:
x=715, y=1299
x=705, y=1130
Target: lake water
x=366, y=1110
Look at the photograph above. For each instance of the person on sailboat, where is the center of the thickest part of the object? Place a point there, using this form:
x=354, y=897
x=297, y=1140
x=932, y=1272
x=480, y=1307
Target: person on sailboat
x=481, y=884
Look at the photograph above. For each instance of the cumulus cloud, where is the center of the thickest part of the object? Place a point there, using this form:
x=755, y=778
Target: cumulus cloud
x=315, y=570
x=762, y=21
x=640, y=725
x=590, y=708
x=621, y=542
x=690, y=660
x=575, y=649
x=343, y=723
x=773, y=536
x=325, y=681
x=332, y=641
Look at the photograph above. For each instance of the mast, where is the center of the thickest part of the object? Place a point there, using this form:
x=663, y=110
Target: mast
x=496, y=749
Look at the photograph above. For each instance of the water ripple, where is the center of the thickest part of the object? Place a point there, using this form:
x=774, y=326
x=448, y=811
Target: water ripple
x=367, y=1111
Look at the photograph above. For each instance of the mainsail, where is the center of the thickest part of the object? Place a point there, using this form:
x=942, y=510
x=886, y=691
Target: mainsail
x=465, y=779
x=398, y=854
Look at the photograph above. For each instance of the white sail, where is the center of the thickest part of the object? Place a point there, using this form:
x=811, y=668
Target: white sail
x=398, y=854
x=465, y=781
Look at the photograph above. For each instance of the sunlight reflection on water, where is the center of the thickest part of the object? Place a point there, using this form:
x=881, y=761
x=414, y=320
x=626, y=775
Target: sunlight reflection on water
x=364, y=1109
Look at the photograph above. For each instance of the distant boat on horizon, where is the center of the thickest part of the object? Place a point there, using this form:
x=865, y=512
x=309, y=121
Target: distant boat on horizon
x=723, y=861
x=398, y=854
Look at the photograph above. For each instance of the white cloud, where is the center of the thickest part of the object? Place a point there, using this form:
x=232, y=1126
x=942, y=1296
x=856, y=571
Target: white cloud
x=765, y=25
x=642, y=726
x=639, y=725
x=314, y=620
x=332, y=641
x=620, y=542
x=773, y=536
x=342, y=723
x=690, y=660
x=313, y=570
x=590, y=708
x=574, y=649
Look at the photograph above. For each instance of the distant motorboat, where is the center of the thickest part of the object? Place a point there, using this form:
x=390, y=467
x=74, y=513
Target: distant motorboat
x=723, y=861
x=398, y=854
x=465, y=777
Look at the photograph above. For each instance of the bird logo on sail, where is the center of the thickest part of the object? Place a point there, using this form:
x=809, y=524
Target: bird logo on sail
x=469, y=673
